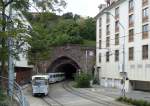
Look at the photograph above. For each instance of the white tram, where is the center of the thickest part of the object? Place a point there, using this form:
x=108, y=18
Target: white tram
x=40, y=84
x=56, y=77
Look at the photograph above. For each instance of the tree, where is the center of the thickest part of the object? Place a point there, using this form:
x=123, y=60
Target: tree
x=19, y=29
x=16, y=32
x=67, y=28
x=68, y=15
x=40, y=45
x=88, y=29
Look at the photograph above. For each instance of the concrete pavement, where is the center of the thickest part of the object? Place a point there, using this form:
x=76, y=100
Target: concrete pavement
x=58, y=96
x=115, y=93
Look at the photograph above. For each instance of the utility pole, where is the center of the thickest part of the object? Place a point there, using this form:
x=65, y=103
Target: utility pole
x=10, y=59
x=86, y=56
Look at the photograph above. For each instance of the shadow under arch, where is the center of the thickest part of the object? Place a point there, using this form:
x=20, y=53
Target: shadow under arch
x=66, y=65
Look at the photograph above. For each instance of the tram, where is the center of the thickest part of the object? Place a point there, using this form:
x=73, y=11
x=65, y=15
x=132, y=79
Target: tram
x=56, y=77
x=40, y=84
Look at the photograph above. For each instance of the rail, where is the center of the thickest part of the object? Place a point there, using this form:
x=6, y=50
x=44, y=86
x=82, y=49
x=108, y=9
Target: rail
x=17, y=94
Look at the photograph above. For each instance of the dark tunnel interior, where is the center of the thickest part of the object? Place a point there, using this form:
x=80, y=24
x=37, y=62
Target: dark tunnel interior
x=69, y=71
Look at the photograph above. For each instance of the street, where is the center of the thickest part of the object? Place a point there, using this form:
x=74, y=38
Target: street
x=61, y=94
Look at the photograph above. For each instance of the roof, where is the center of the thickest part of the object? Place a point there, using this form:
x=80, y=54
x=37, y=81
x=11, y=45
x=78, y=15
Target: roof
x=109, y=7
x=44, y=76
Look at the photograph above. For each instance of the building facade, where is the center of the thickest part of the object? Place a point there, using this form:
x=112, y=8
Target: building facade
x=123, y=44
x=23, y=71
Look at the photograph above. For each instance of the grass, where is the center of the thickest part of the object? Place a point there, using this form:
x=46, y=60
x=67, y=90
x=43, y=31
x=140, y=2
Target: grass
x=133, y=101
x=89, y=43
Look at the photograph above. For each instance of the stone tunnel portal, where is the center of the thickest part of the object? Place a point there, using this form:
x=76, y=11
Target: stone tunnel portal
x=65, y=65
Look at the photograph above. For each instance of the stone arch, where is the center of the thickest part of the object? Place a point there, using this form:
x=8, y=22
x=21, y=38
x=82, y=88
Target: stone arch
x=66, y=65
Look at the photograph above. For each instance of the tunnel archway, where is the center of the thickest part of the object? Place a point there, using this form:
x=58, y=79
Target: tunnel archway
x=66, y=65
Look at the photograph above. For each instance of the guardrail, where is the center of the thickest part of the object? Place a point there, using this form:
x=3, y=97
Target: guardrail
x=17, y=94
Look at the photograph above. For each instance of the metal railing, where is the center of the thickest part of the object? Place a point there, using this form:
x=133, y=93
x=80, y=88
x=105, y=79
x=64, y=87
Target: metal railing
x=17, y=94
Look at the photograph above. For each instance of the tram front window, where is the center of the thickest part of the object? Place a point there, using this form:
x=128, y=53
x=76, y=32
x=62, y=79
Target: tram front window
x=39, y=82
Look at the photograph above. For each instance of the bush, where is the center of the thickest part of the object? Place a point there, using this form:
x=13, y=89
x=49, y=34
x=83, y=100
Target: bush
x=83, y=80
x=133, y=102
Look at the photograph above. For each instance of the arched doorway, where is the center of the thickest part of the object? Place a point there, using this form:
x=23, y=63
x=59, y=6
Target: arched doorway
x=65, y=65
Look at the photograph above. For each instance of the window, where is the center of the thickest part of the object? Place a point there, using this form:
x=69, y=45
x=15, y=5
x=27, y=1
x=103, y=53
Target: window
x=100, y=22
x=145, y=28
x=116, y=55
x=100, y=33
x=117, y=39
x=145, y=31
x=117, y=26
x=145, y=12
x=100, y=58
x=131, y=53
x=145, y=52
x=131, y=35
x=100, y=44
x=131, y=5
x=108, y=18
x=108, y=29
x=107, y=41
x=117, y=12
x=145, y=2
x=131, y=20
x=107, y=56
x=145, y=15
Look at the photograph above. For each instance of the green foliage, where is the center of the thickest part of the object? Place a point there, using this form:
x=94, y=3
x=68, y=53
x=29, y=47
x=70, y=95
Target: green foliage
x=73, y=27
x=40, y=45
x=89, y=43
x=83, y=80
x=133, y=102
x=3, y=99
x=88, y=29
x=18, y=30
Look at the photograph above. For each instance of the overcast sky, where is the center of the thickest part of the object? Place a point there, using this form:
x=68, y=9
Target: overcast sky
x=83, y=7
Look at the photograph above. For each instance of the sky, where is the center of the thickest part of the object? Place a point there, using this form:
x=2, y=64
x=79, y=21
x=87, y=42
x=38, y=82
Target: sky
x=83, y=7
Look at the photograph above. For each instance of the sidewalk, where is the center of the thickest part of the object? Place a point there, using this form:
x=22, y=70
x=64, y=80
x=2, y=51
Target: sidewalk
x=115, y=93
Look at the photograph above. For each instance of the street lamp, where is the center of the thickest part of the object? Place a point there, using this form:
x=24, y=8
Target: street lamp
x=123, y=73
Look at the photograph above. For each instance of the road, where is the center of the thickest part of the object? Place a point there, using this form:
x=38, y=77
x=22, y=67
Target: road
x=61, y=94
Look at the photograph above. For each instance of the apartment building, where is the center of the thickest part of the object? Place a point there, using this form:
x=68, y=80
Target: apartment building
x=123, y=44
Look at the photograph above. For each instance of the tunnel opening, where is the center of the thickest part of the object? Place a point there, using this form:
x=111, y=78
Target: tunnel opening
x=66, y=65
x=69, y=70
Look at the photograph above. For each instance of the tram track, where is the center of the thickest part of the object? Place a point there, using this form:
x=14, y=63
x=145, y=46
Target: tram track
x=49, y=104
x=85, y=94
x=82, y=95
x=88, y=96
x=51, y=101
